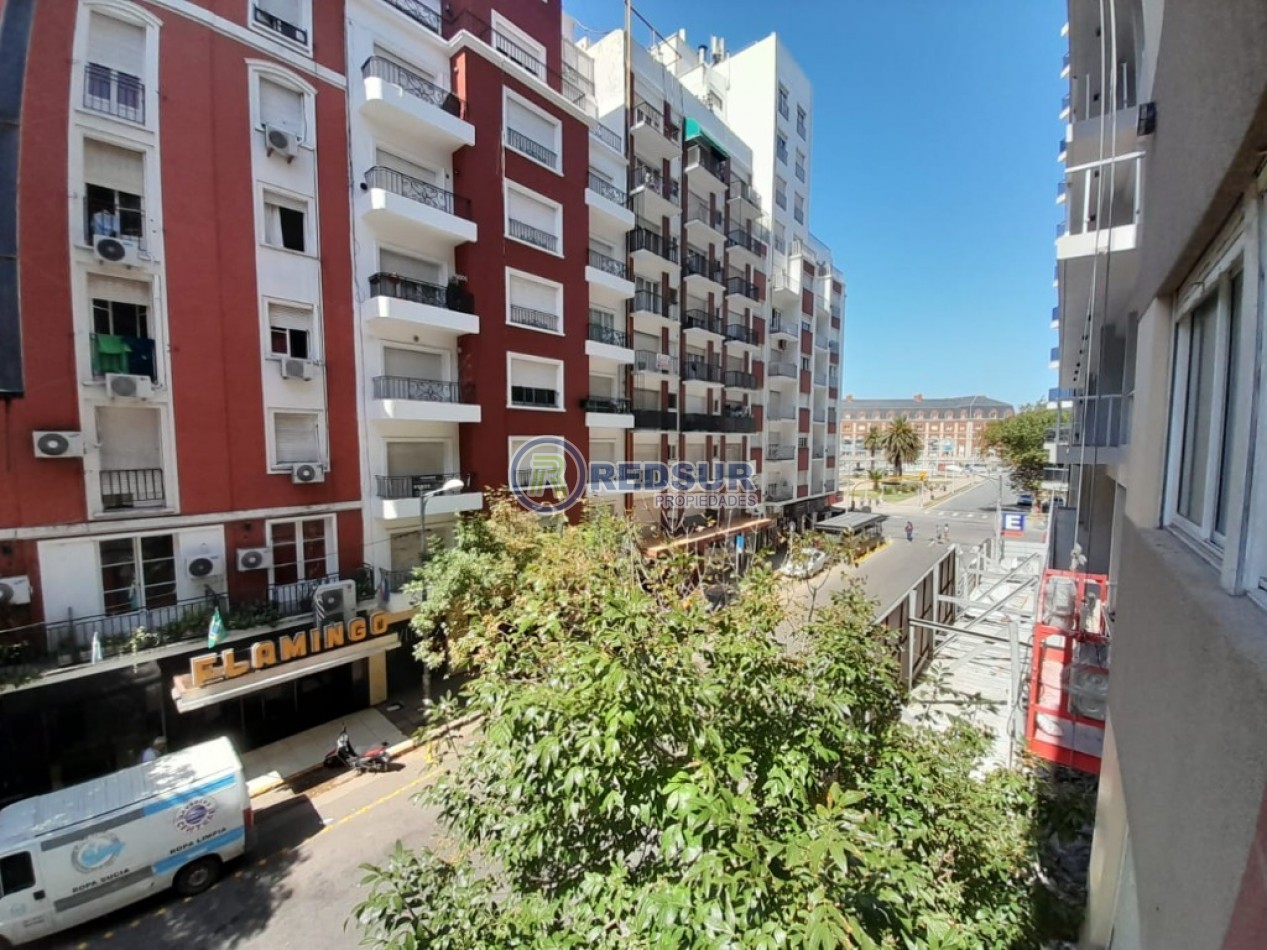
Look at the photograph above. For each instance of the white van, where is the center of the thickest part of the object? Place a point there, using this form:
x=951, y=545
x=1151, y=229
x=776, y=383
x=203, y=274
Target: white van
x=80, y=852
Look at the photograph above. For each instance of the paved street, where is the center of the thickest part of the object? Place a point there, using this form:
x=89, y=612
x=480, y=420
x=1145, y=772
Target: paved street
x=296, y=889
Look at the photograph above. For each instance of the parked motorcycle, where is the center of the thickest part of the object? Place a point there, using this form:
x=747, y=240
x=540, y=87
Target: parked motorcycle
x=376, y=760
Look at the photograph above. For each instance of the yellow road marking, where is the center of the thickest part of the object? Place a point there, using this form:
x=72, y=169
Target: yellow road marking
x=374, y=804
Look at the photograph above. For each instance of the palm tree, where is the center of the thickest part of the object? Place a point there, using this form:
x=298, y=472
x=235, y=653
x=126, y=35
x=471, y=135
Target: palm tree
x=873, y=442
x=901, y=443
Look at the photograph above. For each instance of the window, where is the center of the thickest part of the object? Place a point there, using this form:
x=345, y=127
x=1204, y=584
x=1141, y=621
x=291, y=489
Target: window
x=798, y=209
x=1205, y=414
x=290, y=331
x=780, y=147
x=533, y=219
x=800, y=122
x=137, y=573
x=115, y=180
x=285, y=222
x=17, y=873
x=518, y=47
x=297, y=437
x=800, y=165
x=780, y=238
x=533, y=303
x=780, y=192
x=285, y=18
x=281, y=107
x=303, y=550
x=535, y=383
x=783, y=102
x=532, y=133
x=116, y=61
x=119, y=307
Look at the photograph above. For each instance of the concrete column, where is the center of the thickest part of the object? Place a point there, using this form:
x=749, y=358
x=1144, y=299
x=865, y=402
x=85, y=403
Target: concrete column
x=378, y=678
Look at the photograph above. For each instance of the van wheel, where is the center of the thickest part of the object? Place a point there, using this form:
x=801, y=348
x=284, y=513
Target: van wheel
x=196, y=877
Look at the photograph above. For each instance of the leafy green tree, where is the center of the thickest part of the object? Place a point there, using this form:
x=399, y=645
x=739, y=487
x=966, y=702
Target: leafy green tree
x=873, y=442
x=1018, y=441
x=650, y=772
x=902, y=444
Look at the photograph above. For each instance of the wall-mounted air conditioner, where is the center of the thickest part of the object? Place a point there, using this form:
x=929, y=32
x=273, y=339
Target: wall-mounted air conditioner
x=115, y=250
x=127, y=386
x=201, y=566
x=280, y=142
x=15, y=590
x=254, y=559
x=293, y=368
x=307, y=473
x=58, y=445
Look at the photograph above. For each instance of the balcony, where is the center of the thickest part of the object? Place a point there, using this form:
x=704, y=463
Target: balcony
x=779, y=370
x=1054, y=358
x=782, y=326
x=779, y=413
x=819, y=416
x=646, y=305
x=742, y=287
x=126, y=489
x=741, y=191
x=419, y=12
x=649, y=361
x=1104, y=208
x=739, y=379
x=700, y=323
x=653, y=134
x=130, y=355
x=397, y=496
x=606, y=412
x=281, y=27
x=613, y=140
x=741, y=241
x=820, y=379
x=658, y=195
x=409, y=399
x=697, y=268
x=701, y=422
x=605, y=343
x=700, y=371
x=398, y=307
x=608, y=277
x=780, y=453
x=652, y=249
x=404, y=102
x=526, y=145
x=657, y=419
x=706, y=164
x=405, y=208
x=818, y=452
x=702, y=222
x=1055, y=318
x=522, y=231
x=738, y=420
x=778, y=493
x=536, y=319
x=113, y=93
x=608, y=200
x=744, y=335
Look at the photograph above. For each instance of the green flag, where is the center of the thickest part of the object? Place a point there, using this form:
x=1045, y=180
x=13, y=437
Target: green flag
x=215, y=630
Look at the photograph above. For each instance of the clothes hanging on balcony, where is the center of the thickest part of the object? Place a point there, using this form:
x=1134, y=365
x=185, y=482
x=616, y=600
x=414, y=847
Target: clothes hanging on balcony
x=140, y=356
x=112, y=353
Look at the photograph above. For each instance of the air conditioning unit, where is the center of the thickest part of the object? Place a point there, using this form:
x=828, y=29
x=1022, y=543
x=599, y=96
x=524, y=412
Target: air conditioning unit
x=58, y=445
x=293, y=368
x=201, y=566
x=115, y=250
x=254, y=559
x=126, y=386
x=15, y=590
x=282, y=142
x=307, y=473
x=334, y=602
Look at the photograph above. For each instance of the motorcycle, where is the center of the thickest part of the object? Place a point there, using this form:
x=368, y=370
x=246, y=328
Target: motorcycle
x=376, y=760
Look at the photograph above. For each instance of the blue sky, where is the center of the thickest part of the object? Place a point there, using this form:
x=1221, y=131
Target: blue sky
x=933, y=175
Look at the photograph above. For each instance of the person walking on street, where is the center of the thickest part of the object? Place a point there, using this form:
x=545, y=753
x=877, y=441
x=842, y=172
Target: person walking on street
x=945, y=533
x=910, y=531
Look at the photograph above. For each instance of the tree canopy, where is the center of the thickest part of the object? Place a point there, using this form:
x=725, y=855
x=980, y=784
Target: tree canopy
x=1019, y=442
x=901, y=443
x=650, y=771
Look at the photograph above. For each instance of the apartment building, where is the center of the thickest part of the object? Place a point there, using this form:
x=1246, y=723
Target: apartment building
x=1161, y=318
x=949, y=428
x=184, y=436
x=719, y=374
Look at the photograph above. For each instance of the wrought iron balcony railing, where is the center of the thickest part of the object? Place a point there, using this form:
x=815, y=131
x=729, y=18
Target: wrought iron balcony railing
x=641, y=239
x=453, y=297
x=612, y=140
x=702, y=320
x=739, y=333
x=740, y=379
x=521, y=231
x=538, y=319
x=410, y=486
x=378, y=67
x=527, y=145
x=132, y=488
x=701, y=370
x=696, y=263
x=600, y=332
x=608, y=265
x=422, y=390
x=419, y=12
x=738, y=238
x=654, y=419
x=114, y=93
x=415, y=189
x=611, y=192
x=743, y=288
x=606, y=404
x=644, y=301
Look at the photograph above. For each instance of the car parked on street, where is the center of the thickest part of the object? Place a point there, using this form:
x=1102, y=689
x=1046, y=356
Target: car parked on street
x=803, y=563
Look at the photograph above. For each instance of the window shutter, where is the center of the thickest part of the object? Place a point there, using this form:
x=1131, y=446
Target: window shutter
x=112, y=167
x=412, y=364
x=297, y=438
x=536, y=127
x=289, y=318
x=531, y=212
x=389, y=262
x=116, y=44
x=415, y=458
x=602, y=452
x=533, y=374
x=129, y=439
x=535, y=296
x=282, y=107
x=118, y=290
x=287, y=10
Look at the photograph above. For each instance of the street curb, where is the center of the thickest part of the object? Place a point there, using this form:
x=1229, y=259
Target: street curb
x=263, y=787
x=944, y=498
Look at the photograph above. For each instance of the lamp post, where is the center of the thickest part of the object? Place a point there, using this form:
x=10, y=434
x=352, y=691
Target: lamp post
x=453, y=484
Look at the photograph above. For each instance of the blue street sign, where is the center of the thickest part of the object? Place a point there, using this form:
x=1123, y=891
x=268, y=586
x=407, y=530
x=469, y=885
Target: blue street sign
x=1013, y=523
x=739, y=543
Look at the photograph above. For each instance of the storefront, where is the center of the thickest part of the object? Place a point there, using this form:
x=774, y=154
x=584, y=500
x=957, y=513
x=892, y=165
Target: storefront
x=255, y=690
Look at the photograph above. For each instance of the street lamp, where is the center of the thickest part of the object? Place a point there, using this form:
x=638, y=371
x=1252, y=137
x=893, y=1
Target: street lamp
x=453, y=484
